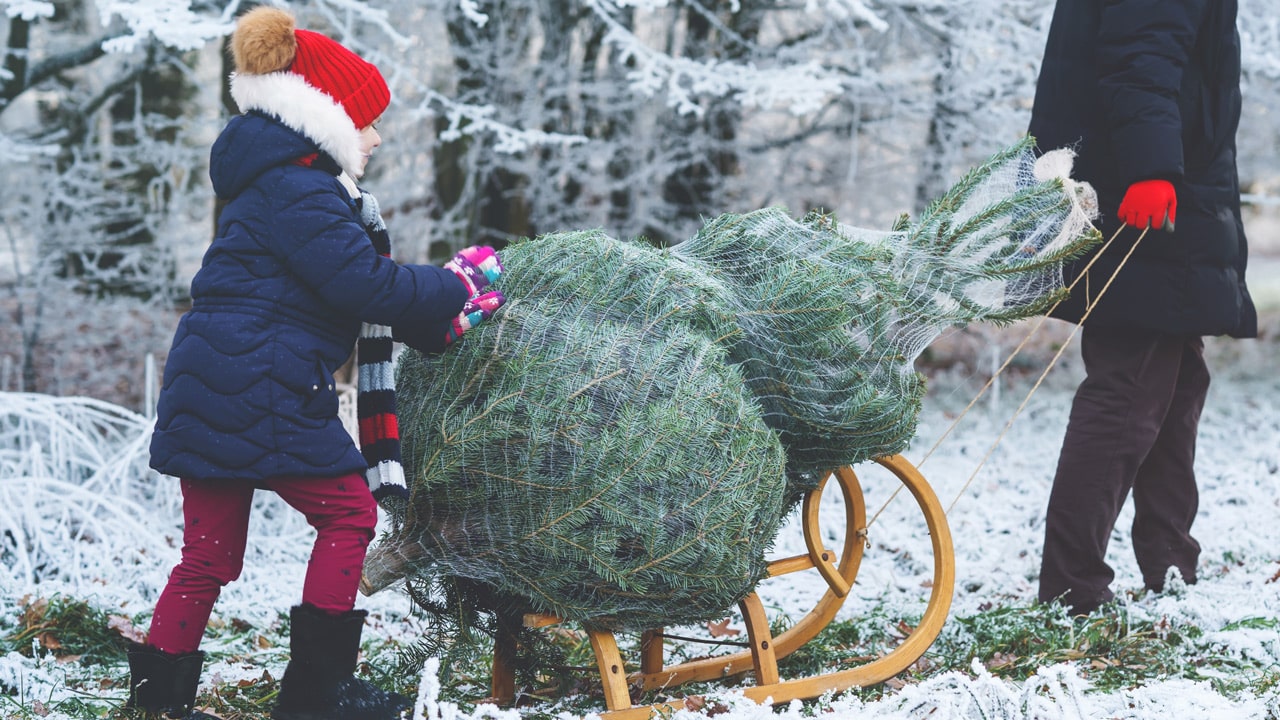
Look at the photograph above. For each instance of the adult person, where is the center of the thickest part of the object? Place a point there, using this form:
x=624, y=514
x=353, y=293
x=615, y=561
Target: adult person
x=1147, y=93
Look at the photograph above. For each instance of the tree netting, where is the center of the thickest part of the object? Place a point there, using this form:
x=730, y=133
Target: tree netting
x=621, y=442
x=832, y=317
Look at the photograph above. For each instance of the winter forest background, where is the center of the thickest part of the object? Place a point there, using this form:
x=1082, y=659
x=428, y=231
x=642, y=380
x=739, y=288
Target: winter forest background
x=510, y=118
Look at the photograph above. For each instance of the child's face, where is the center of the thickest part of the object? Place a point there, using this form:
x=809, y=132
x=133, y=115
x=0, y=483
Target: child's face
x=369, y=139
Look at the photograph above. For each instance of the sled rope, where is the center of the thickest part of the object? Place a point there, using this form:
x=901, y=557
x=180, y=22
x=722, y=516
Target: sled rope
x=1088, y=309
x=702, y=641
x=1009, y=360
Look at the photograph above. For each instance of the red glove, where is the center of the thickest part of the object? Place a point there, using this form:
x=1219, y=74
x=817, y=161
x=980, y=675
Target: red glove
x=1150, y=203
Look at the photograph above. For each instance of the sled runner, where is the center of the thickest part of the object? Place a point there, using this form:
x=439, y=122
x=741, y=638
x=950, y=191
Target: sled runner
x=838, y=569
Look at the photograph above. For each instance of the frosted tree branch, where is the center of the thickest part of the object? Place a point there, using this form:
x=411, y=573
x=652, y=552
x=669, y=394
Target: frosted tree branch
x=28, y=9
x=174, y=24
x=466, y=120
x=801, y=88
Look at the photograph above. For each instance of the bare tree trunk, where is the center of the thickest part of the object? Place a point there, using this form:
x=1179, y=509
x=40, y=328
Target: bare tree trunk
x=705, y=147
x=16, y=60
x=472, y=185
x=932, y=180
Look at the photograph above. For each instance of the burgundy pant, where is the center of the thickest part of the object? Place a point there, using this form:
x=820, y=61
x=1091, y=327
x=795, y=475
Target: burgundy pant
x=216, y=515
x=1132, y=427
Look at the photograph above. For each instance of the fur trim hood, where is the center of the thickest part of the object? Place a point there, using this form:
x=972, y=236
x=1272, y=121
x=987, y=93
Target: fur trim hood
x=304, y=109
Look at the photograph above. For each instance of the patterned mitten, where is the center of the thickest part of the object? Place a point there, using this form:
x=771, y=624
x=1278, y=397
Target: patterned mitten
x=475, y=311
x=476, y=267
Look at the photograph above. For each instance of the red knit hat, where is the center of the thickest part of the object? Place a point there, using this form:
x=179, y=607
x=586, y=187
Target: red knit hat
x=355, y=84
x=266, y=40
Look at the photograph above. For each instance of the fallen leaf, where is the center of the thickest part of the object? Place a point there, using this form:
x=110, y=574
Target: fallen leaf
x=717, y=709
x=124, y=626
x=569, y=634
x=33, y=611
x=722, y=629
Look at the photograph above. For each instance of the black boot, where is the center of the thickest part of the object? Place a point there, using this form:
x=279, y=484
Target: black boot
x=164, y=685
x=319, y=682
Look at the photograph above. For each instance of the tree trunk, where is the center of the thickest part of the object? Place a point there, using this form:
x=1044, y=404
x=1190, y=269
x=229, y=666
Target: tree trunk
x=16, y=60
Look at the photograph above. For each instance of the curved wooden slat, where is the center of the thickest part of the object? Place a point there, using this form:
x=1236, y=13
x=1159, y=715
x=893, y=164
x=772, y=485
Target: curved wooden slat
x=812, y=623
x=764, y=658
x=879, y=670
x=823, y=559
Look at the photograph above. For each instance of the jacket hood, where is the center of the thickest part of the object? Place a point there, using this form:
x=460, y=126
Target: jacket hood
x=305, y=109
x=250, y=145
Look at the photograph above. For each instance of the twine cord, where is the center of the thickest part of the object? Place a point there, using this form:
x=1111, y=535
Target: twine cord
x=1084, y=274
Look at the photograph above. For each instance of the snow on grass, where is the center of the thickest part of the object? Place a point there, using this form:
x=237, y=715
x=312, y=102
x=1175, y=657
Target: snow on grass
x=81, y=516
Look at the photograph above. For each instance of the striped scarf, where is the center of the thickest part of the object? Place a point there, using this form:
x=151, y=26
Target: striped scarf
x=376, y=386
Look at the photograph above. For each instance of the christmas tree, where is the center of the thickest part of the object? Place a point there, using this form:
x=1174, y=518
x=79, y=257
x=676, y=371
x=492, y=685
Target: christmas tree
x=620, y=443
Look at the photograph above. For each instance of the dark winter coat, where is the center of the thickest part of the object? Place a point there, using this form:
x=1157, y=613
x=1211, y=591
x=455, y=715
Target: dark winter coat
x=276, y=308
x=1150, y=89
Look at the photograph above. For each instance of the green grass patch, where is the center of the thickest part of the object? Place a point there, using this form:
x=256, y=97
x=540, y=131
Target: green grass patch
x=1113, y=648
x=1109, y=647
x=67, y=629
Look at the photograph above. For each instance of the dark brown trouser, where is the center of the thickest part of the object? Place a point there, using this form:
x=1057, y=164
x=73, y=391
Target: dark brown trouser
x=1132, y=427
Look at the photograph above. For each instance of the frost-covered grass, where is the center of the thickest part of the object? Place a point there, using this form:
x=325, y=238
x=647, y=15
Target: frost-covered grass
x=88, y=534
x=1008, y=661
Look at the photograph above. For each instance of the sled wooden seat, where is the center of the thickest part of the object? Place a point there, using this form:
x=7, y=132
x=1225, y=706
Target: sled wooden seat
x=764, y=650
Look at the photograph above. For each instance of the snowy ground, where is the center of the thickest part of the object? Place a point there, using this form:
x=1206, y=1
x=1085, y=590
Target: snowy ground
x=80, y=473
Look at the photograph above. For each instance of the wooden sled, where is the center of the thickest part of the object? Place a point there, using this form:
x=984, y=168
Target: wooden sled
x=839, y=571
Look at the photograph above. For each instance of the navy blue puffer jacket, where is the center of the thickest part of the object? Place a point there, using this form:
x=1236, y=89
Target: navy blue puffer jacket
x=276, y=308
x=1150, y=89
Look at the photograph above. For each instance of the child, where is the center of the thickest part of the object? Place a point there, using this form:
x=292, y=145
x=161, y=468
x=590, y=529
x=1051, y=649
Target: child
x=299, y=262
